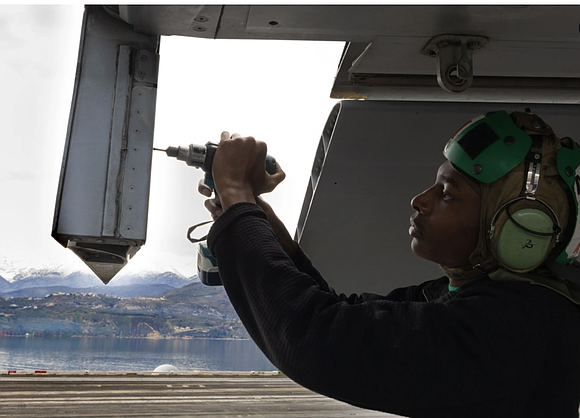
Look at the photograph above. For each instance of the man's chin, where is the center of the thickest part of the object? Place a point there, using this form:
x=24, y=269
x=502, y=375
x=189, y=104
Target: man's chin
x=419, y=250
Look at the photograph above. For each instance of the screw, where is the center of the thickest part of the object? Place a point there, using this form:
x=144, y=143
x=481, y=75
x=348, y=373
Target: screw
x=141, y=74
x=476, y=169
x=509, y=140
x=143, y=57
x=199, y=29
x=201, y=19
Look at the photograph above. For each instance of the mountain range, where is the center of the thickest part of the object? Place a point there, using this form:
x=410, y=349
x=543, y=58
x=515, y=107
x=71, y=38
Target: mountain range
x=42, y=282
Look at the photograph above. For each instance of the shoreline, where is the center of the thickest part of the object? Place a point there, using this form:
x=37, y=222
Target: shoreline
x=124, y=337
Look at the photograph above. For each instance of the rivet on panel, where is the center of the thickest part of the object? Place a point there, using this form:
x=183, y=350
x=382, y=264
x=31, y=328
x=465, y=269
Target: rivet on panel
x=476, y=169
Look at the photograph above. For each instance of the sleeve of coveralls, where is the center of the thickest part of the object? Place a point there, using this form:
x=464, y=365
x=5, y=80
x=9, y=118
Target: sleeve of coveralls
x=400, y=357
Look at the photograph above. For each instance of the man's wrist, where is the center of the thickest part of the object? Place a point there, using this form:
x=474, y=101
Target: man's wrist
x=230, y=197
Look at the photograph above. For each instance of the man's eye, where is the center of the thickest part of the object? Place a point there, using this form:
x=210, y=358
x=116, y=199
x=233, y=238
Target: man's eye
x=445, y=195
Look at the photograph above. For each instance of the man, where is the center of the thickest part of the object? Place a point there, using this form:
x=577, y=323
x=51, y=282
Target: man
x=498, y=336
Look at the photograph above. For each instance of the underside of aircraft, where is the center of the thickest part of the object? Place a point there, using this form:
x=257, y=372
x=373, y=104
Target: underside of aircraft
x=408, y=74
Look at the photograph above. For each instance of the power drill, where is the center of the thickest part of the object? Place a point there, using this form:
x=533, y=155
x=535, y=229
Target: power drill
x=201, y=156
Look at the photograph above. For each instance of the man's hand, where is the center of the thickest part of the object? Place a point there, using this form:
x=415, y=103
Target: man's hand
x=213, y=205
x=239, y=170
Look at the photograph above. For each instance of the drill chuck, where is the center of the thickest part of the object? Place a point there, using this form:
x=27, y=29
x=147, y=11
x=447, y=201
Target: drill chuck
x=193, y=155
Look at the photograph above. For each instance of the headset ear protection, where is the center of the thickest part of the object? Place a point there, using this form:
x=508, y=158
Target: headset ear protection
x=523, y=233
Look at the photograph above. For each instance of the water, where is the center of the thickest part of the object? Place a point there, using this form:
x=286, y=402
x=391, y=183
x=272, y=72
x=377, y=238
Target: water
x=129, y=354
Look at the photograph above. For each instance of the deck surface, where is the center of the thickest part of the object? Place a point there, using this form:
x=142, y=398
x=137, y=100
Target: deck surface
x=234, y=396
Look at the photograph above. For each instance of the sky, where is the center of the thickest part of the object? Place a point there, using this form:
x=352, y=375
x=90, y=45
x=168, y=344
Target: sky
x=276, y=91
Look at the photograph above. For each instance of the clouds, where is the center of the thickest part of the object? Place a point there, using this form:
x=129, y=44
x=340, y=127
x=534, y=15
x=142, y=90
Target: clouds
x=39, y=45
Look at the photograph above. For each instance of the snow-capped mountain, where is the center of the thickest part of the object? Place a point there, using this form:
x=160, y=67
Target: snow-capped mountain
x=56, y=279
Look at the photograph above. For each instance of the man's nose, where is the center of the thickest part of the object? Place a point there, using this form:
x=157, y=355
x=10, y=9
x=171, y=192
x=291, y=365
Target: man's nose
x=420, y=203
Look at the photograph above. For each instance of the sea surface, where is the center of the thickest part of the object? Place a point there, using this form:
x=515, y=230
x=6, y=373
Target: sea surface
x=129, y=354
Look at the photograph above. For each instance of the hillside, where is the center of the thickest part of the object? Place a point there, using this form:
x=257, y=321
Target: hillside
x=194, y=311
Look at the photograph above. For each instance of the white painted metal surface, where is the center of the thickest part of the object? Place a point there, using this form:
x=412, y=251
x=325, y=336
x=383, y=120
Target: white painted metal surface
x=103, y=194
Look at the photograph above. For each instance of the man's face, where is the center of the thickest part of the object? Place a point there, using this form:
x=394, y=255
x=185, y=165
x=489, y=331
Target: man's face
x=445, y=226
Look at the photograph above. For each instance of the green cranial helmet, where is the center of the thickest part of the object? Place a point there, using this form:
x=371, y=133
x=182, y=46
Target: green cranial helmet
x=488, y=147
x=530, y=188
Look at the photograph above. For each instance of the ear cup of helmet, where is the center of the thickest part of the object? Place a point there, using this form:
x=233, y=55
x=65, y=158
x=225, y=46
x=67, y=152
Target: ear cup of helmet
x=524, y=234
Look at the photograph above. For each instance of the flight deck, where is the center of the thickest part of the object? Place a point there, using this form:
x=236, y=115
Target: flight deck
x=54, y=395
